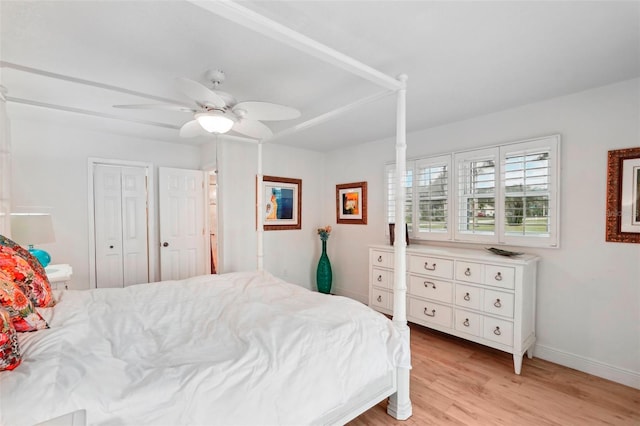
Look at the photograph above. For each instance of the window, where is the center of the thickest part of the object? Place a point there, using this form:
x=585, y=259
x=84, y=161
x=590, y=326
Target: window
x=476, y=194
x=505, y=194
x=432, y=195
x=530, y=179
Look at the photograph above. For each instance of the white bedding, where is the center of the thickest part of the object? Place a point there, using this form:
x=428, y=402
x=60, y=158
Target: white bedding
x=234, y=349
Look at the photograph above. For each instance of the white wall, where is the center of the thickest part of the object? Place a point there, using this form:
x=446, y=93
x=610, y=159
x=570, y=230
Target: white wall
x=291, y=254
x=588, y=290
x=588, y=308
x=50, y=166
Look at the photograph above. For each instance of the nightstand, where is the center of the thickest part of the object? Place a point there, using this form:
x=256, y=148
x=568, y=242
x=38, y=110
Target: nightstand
x=59, y=276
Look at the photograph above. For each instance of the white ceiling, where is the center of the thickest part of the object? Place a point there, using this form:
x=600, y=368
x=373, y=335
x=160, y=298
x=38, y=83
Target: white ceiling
x=463, y=59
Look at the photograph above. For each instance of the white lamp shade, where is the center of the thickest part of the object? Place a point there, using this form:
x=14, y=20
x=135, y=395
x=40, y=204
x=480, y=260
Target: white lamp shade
x=32, y=228
x=214, y=122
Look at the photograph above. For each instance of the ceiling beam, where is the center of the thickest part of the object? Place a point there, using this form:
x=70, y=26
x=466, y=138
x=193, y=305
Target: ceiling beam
x=256, y=22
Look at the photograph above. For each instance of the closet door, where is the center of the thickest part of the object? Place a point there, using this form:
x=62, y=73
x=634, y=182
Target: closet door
x=120, y=218
x=134, y=226
x=108, y=226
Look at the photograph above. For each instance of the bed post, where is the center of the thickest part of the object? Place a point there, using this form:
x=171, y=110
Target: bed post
x=260, y=218
x=399, y=403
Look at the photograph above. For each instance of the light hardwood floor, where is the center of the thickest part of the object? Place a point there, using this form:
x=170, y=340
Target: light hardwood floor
x=455, y=382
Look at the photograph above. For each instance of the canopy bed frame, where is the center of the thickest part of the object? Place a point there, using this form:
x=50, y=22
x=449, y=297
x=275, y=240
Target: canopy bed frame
x=396, y=385
x=399, y=403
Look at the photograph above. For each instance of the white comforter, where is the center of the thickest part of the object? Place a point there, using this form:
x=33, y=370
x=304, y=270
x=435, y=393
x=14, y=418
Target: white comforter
x=234, y=349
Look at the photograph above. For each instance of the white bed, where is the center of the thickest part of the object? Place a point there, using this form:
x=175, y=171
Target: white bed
x=328, y=363
x=241, y=348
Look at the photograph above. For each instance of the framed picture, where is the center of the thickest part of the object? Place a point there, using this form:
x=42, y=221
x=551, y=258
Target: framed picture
x=623, y=196
x=351, y=203
x=282, y=201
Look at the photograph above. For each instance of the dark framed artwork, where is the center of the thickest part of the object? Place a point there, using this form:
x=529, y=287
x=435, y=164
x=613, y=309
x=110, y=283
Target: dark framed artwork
x=351, y=203
x=623, y=196
x=282, y=201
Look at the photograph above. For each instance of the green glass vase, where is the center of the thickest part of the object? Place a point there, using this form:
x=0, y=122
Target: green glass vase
x=323, y=274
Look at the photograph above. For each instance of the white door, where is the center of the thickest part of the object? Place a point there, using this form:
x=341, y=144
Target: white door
x=135, y=252
x=182, y=228
x=120, y=220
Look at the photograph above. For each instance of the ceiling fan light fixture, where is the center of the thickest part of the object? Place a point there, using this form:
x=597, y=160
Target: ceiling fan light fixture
x=215, y=121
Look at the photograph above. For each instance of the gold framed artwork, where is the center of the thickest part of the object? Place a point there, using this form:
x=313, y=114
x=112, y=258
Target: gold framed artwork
x=623, y=196
x=351, y=203
x=282, y=203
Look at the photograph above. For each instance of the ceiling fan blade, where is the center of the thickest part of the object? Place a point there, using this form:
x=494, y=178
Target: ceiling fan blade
x=252, y=128
x=199, y=93
x=267, y=111
x=191, y=129
x=168, y=107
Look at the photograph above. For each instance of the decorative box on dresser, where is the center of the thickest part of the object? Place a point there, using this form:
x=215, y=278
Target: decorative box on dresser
x=472, y=294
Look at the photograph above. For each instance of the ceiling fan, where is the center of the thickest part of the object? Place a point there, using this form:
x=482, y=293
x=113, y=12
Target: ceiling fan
x=219, y=112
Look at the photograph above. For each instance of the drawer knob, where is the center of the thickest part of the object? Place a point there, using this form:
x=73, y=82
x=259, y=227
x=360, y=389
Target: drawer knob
x=379, y=299
x=467, y=297
x=426, y=284
x=432, y=314
x=497, y=303
x=379, y=278
x=379, y=258
x=466, y=322
x=497, y=331
x=468, y=272
x=498, y=277
x=426, y=266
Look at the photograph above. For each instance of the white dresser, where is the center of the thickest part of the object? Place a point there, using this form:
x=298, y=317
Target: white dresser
x=472, y=294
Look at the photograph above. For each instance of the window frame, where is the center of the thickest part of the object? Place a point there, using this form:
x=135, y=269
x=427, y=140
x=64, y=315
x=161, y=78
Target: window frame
x=499, y=154
x=484, y=154
x=552, y=144
x=432, y=162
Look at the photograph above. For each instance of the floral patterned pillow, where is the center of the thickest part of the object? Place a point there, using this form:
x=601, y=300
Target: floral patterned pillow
x=23, y=253
x=24, y=315
x=10, y=356
x=32, y=281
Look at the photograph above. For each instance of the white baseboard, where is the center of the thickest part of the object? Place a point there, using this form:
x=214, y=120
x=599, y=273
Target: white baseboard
x=587, y=365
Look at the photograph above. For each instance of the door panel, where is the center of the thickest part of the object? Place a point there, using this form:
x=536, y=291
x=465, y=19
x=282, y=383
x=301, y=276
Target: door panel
x=182, y=237
x=108, y=226
x=134, y=229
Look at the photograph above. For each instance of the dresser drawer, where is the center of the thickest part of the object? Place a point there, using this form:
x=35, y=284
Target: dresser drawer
x=468, y=297
x=432, y=266
x=469, y=271
x=429, y=312
x=498, y=303
x=382, y=278
x=382, y=258
x=430, y=288
x=381, y=299
x=498, y=330
x=468, y=322
x=499, y=276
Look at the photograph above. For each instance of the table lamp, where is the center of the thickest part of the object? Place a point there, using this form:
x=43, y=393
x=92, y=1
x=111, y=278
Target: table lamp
x=33, y=228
